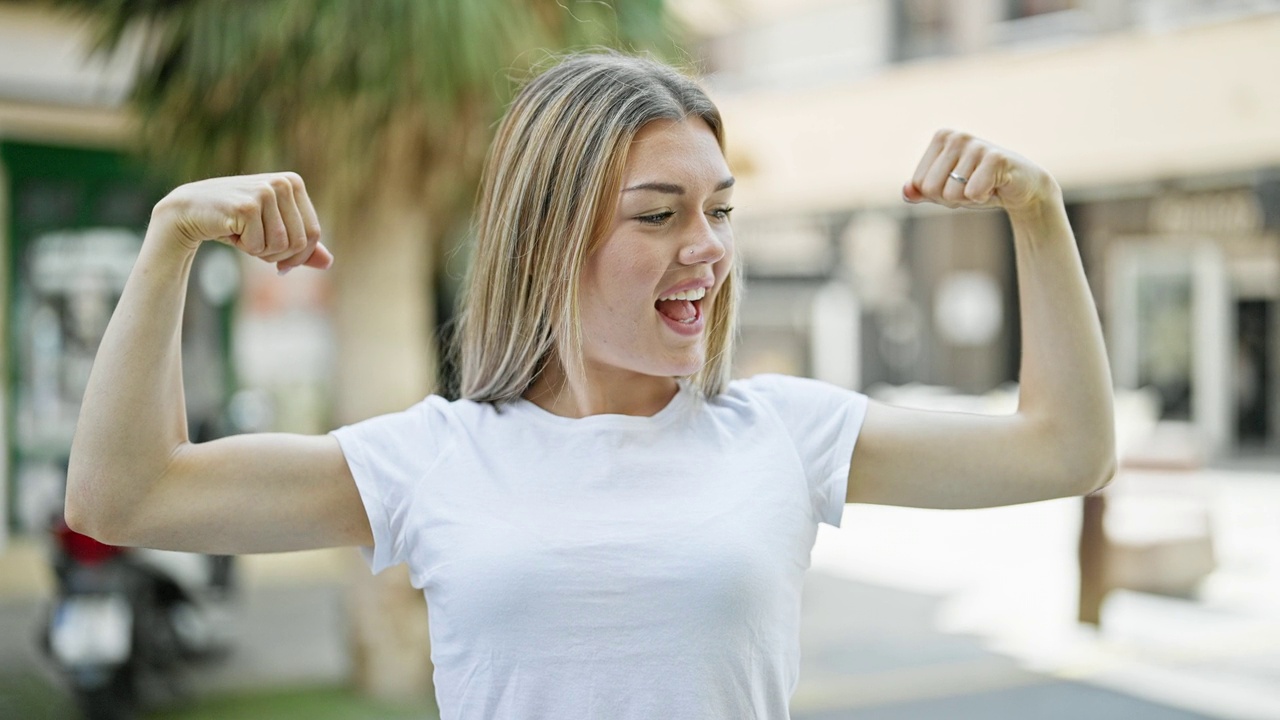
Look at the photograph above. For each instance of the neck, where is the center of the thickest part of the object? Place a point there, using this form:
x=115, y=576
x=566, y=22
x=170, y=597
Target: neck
x=603, y=391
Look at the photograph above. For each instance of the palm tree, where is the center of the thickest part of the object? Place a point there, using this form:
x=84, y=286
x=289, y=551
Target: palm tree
x=386, y=108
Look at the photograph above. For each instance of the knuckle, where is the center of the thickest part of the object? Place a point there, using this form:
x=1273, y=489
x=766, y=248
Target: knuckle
x=245, y=208
x=293, y=179
x=280, y=184
x=278, y=236
x=313, y=232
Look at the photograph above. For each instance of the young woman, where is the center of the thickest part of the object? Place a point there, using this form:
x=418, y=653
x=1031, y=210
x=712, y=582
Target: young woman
x=605, y=526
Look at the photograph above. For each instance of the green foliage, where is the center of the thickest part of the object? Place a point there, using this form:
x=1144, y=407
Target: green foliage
x=371, y=94
x=27, y=694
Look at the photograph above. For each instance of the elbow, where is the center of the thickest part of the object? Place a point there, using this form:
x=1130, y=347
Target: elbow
x=1084, y=463
x=80, y=512
x=73, y=514
x=76, y=508
x=96, y=525
x=86, y=514
x=1100, y=479
x=1093, y=469
x=1085, y=457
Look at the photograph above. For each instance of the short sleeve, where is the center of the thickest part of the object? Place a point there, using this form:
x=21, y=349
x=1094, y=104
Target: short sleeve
x=390, y=456
x=823, y=421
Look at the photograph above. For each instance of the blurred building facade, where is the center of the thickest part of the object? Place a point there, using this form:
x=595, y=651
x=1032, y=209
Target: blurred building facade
x=74, y=206
x=71, y=213
x=1160, y=119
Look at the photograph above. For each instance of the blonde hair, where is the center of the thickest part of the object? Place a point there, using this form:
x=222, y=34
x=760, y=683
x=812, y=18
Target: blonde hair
x=548, y=195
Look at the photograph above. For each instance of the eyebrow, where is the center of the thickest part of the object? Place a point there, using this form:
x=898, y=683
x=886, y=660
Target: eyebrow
x=673, y=189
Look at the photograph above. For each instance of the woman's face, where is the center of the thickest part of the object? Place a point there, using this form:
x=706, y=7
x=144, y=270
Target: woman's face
x=648, y=288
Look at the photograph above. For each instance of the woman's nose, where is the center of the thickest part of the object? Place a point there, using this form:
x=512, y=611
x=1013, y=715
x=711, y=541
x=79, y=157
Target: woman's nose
x=703, y=246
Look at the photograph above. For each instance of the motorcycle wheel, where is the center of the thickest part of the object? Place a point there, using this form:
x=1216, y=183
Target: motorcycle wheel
x=115, y=700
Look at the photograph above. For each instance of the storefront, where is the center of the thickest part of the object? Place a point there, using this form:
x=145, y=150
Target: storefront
x=72, y=230
x=1189, y=286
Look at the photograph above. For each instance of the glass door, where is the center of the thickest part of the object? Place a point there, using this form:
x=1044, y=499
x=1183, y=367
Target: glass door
x=1170, y=325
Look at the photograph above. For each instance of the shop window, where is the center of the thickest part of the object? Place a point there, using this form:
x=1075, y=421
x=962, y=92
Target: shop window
x=1049, y=21
x=76, y=226
x=1018, y=9
x=924, y=28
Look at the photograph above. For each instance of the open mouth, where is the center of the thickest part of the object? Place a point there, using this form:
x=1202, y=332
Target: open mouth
x=684, y=308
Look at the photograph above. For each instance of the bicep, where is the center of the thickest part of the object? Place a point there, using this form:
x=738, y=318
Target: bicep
x=930, y=459
x=265, y=492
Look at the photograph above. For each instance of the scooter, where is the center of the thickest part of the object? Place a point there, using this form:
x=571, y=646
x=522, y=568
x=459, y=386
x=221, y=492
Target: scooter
x=127, y=622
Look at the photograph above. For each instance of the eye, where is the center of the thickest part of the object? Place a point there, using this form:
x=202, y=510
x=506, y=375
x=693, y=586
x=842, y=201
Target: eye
x=722, y=213
x=656, y=218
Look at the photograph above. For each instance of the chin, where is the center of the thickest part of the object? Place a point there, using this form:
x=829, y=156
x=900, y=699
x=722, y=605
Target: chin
x=689, y=367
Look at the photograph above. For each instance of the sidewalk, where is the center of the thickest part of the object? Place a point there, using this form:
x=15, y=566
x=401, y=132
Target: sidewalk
x=908, y=614
x=1007, y=579
x=870, y=653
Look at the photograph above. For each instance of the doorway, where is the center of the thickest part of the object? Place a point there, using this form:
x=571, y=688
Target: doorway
x=1253, y=391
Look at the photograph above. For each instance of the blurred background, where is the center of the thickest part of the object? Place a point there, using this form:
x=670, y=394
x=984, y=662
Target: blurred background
x=1159, y=598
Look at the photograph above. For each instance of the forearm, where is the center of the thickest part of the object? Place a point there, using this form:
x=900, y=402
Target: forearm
x=1065, y=379
x=133, y=416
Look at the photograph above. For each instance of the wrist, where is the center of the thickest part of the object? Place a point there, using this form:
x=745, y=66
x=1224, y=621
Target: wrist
x=1045, y=205
x=164, y=242
x=166, y=227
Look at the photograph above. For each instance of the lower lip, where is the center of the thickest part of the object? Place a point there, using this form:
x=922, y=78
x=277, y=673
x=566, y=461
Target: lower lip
x=688, y=329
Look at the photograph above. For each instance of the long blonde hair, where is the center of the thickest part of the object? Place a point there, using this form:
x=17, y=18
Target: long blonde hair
x=548, y=195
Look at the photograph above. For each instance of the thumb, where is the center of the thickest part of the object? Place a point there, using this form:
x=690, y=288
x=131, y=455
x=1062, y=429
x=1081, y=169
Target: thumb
x=321, y=259
x=911, y=193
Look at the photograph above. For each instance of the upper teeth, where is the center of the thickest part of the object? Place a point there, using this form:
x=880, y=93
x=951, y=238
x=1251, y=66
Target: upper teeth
x=695, y=294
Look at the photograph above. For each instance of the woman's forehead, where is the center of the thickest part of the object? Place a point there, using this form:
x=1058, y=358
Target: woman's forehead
x=668, y=151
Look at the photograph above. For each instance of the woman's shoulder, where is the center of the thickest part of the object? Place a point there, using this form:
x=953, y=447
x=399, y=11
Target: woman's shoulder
x=787, y=393
x=434, y=413
x=774, y=384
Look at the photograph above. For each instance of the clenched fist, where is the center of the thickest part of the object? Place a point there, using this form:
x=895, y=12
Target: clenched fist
x=959, y=170
x=268, y=216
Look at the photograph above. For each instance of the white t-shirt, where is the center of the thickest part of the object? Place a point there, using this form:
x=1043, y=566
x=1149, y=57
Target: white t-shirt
x=611, y=566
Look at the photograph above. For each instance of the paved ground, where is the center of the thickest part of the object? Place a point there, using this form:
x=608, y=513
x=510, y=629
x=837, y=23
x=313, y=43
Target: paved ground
x=869, y=652
x=998, y=582
x=1045, y=701
x=285, y=637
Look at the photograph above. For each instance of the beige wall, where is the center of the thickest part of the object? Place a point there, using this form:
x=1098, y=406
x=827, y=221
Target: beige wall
x=1124, y=108
x=83, y=127
x=45, y=58
x=51, y=89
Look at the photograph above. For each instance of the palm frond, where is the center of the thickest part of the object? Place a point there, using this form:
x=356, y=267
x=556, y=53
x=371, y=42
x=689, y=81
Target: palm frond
x=233, y=85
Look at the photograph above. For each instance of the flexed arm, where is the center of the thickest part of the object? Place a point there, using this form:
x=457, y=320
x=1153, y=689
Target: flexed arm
x=134, y=477
x=1061, y=441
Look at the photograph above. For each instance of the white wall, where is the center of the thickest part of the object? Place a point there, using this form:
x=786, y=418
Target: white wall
x=44, y=59
x=1126, y=108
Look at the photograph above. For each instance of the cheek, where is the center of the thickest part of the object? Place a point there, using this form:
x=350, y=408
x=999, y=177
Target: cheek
x=616, y=282
x=725, y=264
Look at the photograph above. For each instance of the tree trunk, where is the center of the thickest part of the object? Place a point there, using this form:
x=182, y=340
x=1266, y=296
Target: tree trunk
x=385, y=363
